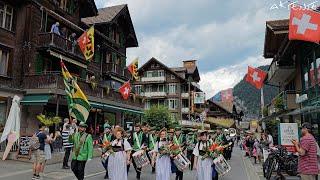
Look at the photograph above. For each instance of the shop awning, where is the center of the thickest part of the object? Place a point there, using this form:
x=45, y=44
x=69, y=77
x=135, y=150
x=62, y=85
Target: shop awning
x=108, y=106
x=38, y=99
x=224, y=122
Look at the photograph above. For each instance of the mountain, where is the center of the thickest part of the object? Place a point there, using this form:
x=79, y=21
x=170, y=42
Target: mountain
x=250, y=96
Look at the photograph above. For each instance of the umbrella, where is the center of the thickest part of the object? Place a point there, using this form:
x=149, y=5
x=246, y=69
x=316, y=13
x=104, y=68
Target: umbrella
x=12, y=127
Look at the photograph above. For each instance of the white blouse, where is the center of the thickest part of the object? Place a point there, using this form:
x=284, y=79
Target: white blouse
x=198, y=147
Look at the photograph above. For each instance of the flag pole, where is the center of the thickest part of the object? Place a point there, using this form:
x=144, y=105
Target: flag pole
x=262, y=106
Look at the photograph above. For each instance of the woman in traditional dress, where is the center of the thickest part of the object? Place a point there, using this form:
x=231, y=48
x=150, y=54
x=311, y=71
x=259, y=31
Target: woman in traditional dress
x=203, y=166
x=161, y=157
x=118, y=161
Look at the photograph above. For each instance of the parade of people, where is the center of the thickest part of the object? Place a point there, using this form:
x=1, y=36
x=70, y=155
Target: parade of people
x=165, y=90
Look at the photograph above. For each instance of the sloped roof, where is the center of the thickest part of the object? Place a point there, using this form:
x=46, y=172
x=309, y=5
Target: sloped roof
x=166, y=67
x=178, y=69
x=105, y=15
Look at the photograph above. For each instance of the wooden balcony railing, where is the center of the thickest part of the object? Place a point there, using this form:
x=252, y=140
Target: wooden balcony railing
x=55, y=81
x=60, y=43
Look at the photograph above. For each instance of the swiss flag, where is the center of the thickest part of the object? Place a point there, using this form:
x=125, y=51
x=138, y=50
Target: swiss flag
x=125, y=90
x=304, y=25
x=256, y=76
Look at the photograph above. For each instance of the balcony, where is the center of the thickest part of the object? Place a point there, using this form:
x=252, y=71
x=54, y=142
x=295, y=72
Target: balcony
x=185, y=110
x=54, y=82
x=278, y=74
x=59, y=44
x=184, y=95
x=284, y=101
x=153, y=79
x=155, y=94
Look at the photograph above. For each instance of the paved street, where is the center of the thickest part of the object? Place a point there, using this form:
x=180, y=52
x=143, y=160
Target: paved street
x=12, y=170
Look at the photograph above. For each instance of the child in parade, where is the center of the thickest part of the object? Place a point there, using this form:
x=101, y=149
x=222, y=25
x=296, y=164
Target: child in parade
x=120, y=158
x=161, y=158
x=203, y=166
x=106, y=136
x=139, y=141
x=178, y=139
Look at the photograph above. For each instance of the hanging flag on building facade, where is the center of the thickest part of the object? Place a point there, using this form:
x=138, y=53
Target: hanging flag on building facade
x=125, y=90
x=255, y=77
x=78, y=104
x=133, y=69
x=223, y=96
x=304, y=25
x=86, y=43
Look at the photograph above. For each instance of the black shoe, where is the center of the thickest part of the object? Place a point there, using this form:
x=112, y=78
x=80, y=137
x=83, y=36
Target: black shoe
x=106, y=176
x=65, y=167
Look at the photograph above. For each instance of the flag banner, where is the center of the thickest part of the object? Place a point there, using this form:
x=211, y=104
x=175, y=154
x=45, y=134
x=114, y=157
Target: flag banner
x=304, y=25
x=199, y=97
x=255, y=77
x=133, y=69
x=86, y=43
x=125, y=90
x=227, y=95
x=78, y=104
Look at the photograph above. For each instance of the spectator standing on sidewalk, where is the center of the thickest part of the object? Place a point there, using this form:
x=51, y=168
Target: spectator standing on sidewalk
x=307, y=149
x=66, y=145
x=270, y=140
x=38, y=156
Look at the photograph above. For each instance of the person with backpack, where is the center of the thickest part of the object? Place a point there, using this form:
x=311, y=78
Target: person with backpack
x=82, y=151
x=37, y=144
x=120, y=158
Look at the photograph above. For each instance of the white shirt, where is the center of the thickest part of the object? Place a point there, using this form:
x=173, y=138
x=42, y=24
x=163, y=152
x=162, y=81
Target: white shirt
x=270, y=140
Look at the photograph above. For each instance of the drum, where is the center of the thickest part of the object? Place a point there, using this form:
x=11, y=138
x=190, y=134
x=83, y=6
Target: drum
x=221, y=165
x=181, y=161
x=140, y=158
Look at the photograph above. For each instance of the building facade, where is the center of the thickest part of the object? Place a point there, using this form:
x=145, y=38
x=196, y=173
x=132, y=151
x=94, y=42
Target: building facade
x=295, y=70
x=171, y=87
x=30, y=54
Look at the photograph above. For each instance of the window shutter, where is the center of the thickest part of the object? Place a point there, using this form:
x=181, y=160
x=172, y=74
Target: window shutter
x=39, y=64
x=97, y=57
x=114, y=57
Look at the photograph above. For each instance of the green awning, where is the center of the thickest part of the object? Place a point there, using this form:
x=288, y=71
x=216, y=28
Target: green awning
x=108, y=106
x=39, y=99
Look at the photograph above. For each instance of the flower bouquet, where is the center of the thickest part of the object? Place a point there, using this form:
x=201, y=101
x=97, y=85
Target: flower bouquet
x=106, y=150
x=164, y=150
x=175, y=150
x=213, y=151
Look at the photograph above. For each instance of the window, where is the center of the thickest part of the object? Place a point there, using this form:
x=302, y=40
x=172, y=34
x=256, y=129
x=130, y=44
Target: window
x=161, y=102
x=160, y=88
x=161, y=73
x=4, y=61
x=173, y=76
x=149, y=73
x=138, y=89
x=152, y=65
x=149, y=88
x=312, y=75
x=6, y=16
x=173, y=104
x=147, y=105
x=174, y=116
x=172, y=88
x=3, y=110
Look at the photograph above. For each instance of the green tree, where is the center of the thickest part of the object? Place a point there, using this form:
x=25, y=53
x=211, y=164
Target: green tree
x=159, y=117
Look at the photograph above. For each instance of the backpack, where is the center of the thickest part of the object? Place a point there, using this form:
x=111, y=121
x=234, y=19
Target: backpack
x=34, y=142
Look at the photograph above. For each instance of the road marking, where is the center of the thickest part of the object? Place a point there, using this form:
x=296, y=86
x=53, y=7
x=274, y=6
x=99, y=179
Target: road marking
x=94, y=174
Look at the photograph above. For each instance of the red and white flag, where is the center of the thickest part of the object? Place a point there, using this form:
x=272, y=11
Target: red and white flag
x=304, y=25
x=255, y=77
x=227, y=95
x=125, y=90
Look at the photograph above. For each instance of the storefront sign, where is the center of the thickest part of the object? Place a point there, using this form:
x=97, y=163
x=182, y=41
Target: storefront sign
x=199, y=97
x=300, y=99
x=24, y=147
x=288, y=132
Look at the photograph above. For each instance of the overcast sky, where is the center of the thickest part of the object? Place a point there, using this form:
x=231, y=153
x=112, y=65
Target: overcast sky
x=225, y=36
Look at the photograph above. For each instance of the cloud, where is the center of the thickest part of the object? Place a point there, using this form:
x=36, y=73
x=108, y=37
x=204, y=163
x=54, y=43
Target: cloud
x=227, y=77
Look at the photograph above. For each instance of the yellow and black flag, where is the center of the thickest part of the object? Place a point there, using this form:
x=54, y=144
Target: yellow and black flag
x=133, y=68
